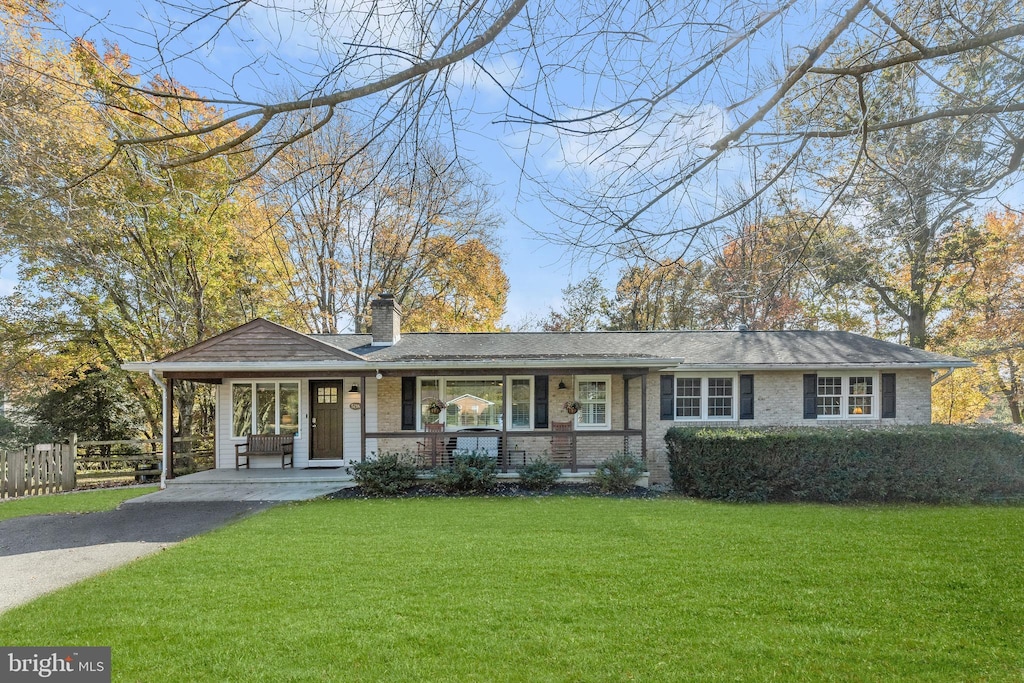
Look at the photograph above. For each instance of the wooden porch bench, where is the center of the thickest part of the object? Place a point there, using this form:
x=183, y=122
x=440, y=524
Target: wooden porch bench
x=277, y=445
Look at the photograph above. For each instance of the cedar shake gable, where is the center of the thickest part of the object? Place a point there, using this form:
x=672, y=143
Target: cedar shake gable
x=261, y=341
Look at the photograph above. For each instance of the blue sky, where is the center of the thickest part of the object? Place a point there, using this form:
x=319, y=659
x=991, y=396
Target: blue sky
x=537, y=270
x=568, y=165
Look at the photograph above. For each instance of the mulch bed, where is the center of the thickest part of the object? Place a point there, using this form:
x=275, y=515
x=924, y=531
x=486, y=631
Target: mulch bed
x=509, y=490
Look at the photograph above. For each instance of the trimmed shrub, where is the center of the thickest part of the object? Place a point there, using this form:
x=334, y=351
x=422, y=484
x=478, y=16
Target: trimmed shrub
x=539, y=474
x=928, y=464
x=619, y=473
x=388, y=475
x=471, y=472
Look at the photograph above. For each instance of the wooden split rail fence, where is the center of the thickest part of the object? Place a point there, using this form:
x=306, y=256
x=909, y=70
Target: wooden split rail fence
x=51, y=468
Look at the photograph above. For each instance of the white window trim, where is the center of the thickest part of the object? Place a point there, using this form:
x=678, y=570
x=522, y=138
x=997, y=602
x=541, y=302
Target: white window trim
x=844, y=398
x=252, y=402
x=420, y=427
x=704, y=398
x=507, y=390
x=607, y=379
x=442, y=389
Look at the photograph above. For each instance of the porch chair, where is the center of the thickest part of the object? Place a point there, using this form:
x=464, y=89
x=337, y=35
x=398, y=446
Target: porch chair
x=431, y=450
x=561, y=442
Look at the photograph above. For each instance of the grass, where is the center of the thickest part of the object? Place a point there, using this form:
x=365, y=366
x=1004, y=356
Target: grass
x=562, y=589
x=76, y=501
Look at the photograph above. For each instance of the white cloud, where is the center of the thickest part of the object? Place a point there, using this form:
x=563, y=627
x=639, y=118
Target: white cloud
x=661, y=142
x=489, y=78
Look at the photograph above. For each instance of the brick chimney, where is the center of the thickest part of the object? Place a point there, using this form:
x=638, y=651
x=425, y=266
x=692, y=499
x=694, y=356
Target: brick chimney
x=386, y=320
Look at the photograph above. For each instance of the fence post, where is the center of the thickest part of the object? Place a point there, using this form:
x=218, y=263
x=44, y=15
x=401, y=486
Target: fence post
x=17, y=478
x=68, y=466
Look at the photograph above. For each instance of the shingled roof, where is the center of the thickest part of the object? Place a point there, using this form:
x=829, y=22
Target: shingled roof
x=263, y=345
x=797, y=348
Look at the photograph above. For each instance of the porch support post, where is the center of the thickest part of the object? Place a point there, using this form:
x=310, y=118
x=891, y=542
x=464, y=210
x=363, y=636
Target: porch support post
x=169, y=429
x=503, y=453
x=625, y=411
x=643, y=417
x=362, y=419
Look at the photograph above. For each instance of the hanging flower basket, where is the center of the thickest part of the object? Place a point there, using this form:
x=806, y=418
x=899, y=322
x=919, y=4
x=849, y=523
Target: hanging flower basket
x=436, y=406
x=572, y=407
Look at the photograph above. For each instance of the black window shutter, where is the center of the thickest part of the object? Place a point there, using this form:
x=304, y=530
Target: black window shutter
x=810, y=397
x=408, y=403
x=746, y=397
x=540, y=402
x=668, y=397
x=889, y=394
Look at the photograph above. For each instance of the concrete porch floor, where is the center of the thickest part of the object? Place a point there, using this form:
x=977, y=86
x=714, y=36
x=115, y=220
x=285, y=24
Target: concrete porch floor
x=274, y=484
x=326, y=476
x=253, y=485
x=264, y=475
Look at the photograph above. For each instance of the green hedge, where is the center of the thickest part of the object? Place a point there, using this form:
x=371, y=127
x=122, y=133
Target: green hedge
x=933, y=464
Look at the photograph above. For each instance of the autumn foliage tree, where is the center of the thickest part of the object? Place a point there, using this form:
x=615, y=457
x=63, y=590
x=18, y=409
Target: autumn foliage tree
x=124, y=265
x=986, y=317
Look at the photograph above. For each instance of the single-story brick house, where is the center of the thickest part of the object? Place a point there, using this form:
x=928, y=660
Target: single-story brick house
x=577, y=397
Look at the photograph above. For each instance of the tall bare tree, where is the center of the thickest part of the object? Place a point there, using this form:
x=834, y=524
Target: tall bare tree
x=645, y=102
x=358, y=220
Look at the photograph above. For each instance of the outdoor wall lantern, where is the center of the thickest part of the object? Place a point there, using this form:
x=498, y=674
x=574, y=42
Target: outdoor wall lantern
x=353, y=397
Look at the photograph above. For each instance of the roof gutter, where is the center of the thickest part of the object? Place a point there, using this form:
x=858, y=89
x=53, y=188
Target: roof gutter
x=810, y=366
x=655, y=364
x=947, y=373
x=166, y=425
x=372, y=366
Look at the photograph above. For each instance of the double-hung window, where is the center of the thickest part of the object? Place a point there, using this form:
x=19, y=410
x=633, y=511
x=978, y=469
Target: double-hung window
x=520, y=403
x=594, y=396
x=847, y=396
x=705, y=398
x=264, y=408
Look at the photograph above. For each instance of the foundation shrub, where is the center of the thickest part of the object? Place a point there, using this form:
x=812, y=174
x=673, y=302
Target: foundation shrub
x=619, y=473
x=927, y=464
x=539, y=474
x=387, y=475
x=470, y=472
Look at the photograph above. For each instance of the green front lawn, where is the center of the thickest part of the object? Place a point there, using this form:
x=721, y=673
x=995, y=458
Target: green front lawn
x=76, y=501
x=561, y=589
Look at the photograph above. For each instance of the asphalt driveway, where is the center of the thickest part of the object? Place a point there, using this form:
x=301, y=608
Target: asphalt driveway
x=42, y=553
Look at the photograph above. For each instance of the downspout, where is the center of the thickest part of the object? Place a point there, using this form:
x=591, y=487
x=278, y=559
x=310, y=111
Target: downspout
x=166, y=425
x=947, y=373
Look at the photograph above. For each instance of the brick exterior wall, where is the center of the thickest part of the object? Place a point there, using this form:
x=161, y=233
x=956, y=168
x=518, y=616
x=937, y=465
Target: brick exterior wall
x=778, y=401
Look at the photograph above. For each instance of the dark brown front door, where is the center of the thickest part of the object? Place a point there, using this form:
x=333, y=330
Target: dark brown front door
x=325, y=422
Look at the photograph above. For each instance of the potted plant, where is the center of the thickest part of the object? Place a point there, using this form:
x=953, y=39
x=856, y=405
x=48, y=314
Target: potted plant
x=572, y=407
x=435, y=406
